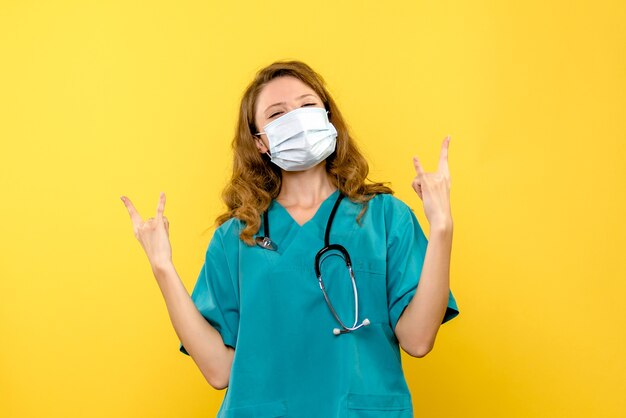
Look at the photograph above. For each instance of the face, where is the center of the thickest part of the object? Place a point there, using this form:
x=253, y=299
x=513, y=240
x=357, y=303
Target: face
x=279, y=96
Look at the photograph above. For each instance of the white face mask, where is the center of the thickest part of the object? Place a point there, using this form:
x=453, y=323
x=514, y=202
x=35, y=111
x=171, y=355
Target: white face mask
x=301, y=139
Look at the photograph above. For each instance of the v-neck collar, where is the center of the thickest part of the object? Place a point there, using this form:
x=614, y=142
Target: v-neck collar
x=320, y=218
x=284, y=229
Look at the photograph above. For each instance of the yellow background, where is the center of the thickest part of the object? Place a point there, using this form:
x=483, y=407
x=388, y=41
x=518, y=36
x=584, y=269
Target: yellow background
x=100, y=99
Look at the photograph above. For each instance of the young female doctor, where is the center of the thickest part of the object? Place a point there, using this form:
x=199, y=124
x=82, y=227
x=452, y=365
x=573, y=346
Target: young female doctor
x=309, y=285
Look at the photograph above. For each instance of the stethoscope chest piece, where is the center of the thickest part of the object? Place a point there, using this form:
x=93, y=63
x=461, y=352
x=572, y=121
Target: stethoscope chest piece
x=266, y=243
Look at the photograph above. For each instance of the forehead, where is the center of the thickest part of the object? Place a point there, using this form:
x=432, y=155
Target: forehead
x=282, y=89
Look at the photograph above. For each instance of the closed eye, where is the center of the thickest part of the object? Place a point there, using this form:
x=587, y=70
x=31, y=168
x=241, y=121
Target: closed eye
x=279, y=112
x=274, y=114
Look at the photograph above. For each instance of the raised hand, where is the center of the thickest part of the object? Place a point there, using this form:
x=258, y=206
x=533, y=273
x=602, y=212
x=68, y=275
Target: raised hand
x=434, y=189
x=153, y=234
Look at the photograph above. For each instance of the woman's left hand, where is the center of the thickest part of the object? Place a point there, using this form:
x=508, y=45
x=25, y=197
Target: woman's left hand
x=434, y=189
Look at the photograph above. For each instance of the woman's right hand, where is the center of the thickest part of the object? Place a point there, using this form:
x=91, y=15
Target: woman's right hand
x=153, y=234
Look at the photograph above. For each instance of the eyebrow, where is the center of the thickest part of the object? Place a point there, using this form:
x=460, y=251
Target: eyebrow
x=297, y=98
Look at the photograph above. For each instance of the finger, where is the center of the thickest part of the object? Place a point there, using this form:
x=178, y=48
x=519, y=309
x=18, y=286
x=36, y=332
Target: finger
x=443, y=158
x=418, y=167
x=134, y=215
x=161, y=206
x=417, y=186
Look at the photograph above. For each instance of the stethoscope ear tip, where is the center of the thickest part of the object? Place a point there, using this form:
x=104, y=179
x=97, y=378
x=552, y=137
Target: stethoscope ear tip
x=337, y=331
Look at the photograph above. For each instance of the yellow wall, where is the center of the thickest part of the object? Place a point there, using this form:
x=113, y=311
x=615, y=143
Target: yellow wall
x=104, y=98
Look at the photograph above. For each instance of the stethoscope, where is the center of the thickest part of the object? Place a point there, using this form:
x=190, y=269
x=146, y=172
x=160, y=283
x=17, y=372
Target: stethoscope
x=266, y=243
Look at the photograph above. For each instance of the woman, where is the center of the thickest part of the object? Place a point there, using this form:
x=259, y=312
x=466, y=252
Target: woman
x=291, y=330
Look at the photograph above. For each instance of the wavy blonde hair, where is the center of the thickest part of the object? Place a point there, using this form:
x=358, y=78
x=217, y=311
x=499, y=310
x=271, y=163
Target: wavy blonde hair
x=256, y=180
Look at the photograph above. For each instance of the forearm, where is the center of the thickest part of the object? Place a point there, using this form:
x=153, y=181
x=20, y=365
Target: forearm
x=203, y=342
x=418, y=325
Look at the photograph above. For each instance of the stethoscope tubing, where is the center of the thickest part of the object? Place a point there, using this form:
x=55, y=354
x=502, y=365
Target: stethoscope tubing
x=266, y=243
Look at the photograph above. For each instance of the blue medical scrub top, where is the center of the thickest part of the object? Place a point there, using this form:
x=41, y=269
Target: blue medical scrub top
x=268, y=306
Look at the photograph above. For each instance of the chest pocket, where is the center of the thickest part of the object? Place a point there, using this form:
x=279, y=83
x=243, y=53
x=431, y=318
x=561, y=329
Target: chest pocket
x=371, y=282
x=378, y=406
x=275, y=409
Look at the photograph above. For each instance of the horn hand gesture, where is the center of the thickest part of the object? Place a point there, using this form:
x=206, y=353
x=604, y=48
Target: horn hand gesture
x=434, y=189
x=153, y=234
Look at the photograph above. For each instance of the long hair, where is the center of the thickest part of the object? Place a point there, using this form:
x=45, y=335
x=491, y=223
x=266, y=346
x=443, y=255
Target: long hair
x=256, y=180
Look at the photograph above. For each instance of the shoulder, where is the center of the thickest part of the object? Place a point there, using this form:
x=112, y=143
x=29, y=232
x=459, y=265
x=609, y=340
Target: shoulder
x=227, y=234
x=389, y=206
x=230, y=227
x=392, y=214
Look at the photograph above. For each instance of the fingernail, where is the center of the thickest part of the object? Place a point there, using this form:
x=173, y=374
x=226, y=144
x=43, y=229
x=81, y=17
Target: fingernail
x=122, y=197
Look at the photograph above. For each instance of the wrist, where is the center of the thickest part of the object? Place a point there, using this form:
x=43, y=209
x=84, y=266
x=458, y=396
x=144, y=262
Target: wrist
x=162, y=269
x=442, y=227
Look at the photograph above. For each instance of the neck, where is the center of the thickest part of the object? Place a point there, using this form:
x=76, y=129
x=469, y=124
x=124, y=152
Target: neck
x=305, y=188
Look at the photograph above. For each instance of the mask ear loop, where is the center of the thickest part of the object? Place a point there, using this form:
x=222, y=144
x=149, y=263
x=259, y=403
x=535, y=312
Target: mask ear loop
x=258, y=138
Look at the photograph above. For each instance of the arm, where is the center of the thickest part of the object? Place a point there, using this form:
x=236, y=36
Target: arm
x=418, y=325
x=203, y=342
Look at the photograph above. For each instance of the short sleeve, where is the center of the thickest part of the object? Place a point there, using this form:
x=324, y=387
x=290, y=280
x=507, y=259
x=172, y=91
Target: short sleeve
x=215, y=293
x=406, y=250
